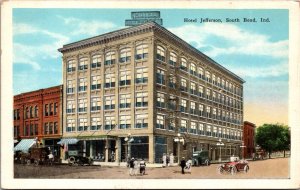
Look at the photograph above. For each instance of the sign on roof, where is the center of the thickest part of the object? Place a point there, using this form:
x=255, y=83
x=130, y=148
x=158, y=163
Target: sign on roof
x=142, y=17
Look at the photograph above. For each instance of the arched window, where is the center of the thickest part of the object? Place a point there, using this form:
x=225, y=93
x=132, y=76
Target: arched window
x=31, y=112
x=141, y=52
x=160, y=53
x=71, y=66
x=96, y=61
x=83, y=64
x=125, y=55
x=51, y=109
x=110, y=58
x=173, y=59
x=183, y=65
x=36, y=111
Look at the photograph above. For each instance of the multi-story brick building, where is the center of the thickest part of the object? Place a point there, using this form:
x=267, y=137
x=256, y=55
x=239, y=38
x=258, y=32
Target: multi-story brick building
x=248, y=139
x=37, y=114
x=146, y=82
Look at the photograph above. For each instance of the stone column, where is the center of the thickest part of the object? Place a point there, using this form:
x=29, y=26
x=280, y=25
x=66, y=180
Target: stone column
x=151, y=148
x=118, y=150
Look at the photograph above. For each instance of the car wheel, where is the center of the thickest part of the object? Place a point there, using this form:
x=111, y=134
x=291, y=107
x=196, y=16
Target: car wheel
x=220, y=170
x=246, y=168
x=233, y=170
x=71, y=160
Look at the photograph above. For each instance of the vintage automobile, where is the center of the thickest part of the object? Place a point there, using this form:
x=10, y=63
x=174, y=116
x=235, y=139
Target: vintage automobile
x=201, y=158
x=79, y=159
x=234, y=166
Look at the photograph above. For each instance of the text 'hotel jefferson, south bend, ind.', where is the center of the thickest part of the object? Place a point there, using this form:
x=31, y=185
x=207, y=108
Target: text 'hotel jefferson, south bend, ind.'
x=134, y=90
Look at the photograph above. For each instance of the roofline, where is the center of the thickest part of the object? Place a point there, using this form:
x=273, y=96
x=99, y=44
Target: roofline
x=34, y=91
x=248, y=122
x=104, y=38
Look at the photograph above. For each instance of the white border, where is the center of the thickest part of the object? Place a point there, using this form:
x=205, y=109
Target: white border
x=7, y=99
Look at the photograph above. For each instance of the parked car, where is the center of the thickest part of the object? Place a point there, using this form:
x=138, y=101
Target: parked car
x=79, y=159
x=201, y=158
x=234, y=166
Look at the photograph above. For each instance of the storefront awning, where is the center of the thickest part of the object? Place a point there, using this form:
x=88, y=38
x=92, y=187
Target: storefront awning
x=68, y=141
x=97, y=137
x=24, y=145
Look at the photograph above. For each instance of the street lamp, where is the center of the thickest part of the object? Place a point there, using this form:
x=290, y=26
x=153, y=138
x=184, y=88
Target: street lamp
x=220, y=144
x=129, y=139
x=179, y=139
x=243, y=146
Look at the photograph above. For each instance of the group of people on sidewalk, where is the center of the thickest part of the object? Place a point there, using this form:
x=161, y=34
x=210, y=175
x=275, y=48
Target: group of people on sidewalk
x=136, y=167
x=186, y=165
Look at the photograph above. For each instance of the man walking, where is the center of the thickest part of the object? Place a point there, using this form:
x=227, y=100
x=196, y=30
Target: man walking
x=131, y=166
x=182, y=164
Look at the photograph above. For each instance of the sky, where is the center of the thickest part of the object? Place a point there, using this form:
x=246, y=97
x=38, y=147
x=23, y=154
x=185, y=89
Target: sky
x=257, y=52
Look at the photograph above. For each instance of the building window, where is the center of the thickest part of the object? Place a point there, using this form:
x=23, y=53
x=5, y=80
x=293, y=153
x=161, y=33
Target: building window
x=160, y=100
x=218, y=81
x=200, y=73
x=160, y=77
x=83, y=64
x=172, y=81
x=31, y=112
x=208, y=113
x=183, y=65
x=171, y=125
x=201, y=91
x=160, y=54
x=172, y=102
x=50, y=128
x=193, y=128
x=160, y=120
x=71, y=66
x=215, y=134
x=201, y=109
x=125, y=122
x=183, y=105
x=193, y=88
x=82, y=85
x=82, y=105
x=207, y=75
x=125, y=101
x=193, y=69
x=96, y=82
x=46, y=110
x=219, y=132
x=16, y=131
x=95, y=104
x=70, y=87
x=95, y=123
x=141, y=75
x=109, y=102
x=51, y=109
x=125, y=55
x=223, y=83
x=55, y=108
x=55, y=128
x=110, y=80
x=110, y=58
x=183, y=85
x=224, y=133
x=201, y=129
x=214, y=79
x=141, y=52
x=125, y=78
x=141, y=121
x=46, y=128
x=183, y=126
x=214, y=113
x=214, y=96
x=193, y=108
x=109, y=122
x=208, y=130
x=208, y=95
x=70, y=125
x=18, y=114
x=36, y=111
x=82, y=124
x=141, y=99
x=70, y=106
x=96, y=61
x=173, y=59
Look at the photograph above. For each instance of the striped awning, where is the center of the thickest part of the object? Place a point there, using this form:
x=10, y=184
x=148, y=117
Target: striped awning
x=24, y=145
x=68, y=141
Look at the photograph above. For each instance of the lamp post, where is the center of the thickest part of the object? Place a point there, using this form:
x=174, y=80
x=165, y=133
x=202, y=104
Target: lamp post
x=220, y=144
x=179, y=139
x=129, y=139
x=243, y=146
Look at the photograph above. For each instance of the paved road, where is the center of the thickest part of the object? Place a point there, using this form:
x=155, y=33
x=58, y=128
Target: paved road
x=262, y=169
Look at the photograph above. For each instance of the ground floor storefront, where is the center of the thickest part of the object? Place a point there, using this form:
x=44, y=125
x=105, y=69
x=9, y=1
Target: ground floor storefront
x=152, y=148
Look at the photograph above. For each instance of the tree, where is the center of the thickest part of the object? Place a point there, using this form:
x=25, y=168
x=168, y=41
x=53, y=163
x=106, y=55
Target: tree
x=273, y=137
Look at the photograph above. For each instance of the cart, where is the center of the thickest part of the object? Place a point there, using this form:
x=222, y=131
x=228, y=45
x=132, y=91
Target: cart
x=38, y=155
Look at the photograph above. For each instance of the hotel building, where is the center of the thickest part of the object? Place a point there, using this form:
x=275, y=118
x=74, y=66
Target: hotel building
x=133, y=91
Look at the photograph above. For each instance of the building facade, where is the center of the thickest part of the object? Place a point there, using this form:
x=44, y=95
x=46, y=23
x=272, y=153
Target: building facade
x=133, y=91
x=249, y=139
x=37, y=114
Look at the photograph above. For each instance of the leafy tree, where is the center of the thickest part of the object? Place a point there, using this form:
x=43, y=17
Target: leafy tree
x=273, y=137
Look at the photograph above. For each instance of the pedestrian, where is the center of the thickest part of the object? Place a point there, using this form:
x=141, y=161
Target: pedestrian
x=136, y=167
x=182, y=164
x=142, y=167
x=51, y=158
x=168, y=160
x=131, y=166
x=164, y=159
x=188, y=166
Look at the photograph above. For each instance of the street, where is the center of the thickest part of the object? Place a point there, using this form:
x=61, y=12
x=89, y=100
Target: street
x=262, y=169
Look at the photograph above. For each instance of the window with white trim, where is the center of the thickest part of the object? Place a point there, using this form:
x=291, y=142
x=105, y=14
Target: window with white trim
x=110, y=80
x=200, y=72
x=125, y=55
x=141, y=121
x=125, y=78
x=110, y=58
x=215, y=131
x=214, y=79
x=141, y=52
x=208, y=95
x=183, y=65
x=173, y=59
x=208, y=130
x=125, y=122
x=201, y=91
x=125, y=101
x=207, y=76
x=82, y=84
x=193, y=107
x=208, y=113
x=70, y=106
x=193, y=128
x=96, y=61
x=160, y=122
x=70, y=125
x=95, y=123
x=160, y=76
x=218, y=81
x=160, y=100
x=109, y=102
x=82, y=124
x=214, y=113
x=201, y=109
x=141, y=99
x=183, y=105
x=71, y=66
x=109, y=122
x=96, y=82
x=183, y=85
x=70, y=86
x=214, y=97
x=201, y=129
x=82, y=105
x=95, y=104
x=193, y=88
x=183, y=126
x=160, y=54
x=83, y=64
x=141, y=75
x=193, y=69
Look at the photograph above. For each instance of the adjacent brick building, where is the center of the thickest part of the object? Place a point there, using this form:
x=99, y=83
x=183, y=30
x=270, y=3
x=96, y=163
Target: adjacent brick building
x=37, y=114
x=249, y=139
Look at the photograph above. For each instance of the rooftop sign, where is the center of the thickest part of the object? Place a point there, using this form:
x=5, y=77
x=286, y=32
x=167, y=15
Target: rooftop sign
x=142, y=17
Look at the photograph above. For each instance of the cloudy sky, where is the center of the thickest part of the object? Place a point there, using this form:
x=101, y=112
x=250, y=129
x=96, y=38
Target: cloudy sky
x=257, y=52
